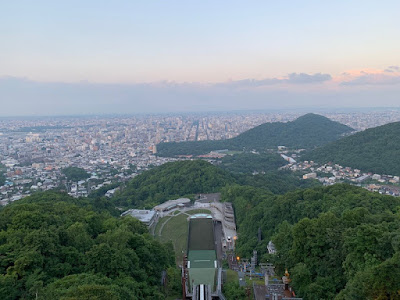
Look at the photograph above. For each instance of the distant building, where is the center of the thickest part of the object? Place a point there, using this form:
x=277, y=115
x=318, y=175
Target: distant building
x=362, y=178
x=145, y=216
x=288, y=159
x=32, y=137
x=310, y=175
x=171, y=204
x=111, y=193
x=376, y=177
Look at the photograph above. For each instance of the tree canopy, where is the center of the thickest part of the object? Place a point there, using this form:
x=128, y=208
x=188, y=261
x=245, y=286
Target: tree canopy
x=186, y=178
x=54, y=247
x=75, y=173
x=333, y=239
x=171, y=181
x=252, y=162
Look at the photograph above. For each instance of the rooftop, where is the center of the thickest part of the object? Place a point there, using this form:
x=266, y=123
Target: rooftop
x=142, y=215
x=170, y=203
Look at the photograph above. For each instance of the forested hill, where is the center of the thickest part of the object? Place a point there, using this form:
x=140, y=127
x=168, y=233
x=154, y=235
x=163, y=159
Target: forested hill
x=55, y=247
x=171, y=181
x=307, y=131
x=190, y=177
x=373, y=150
x=338, y=242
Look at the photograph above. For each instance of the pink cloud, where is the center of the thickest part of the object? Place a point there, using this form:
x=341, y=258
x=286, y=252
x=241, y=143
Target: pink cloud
x=388, y=76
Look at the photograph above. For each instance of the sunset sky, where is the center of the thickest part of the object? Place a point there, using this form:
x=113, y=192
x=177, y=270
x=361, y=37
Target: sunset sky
x=157, y=56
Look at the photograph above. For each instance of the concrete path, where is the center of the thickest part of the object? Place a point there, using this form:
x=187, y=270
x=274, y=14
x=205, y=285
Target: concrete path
x=242, y=279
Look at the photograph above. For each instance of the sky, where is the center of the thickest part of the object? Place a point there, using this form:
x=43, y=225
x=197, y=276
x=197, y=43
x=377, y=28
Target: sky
x=95, y=57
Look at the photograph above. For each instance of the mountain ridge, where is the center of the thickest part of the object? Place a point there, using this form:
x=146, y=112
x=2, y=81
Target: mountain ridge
x=308, y=131
x=374, y=150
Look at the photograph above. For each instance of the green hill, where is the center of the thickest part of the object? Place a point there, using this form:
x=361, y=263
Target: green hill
x=185, y=178
x=307, y=131
x=374, y=150
x=171, y=181
x=338, y=242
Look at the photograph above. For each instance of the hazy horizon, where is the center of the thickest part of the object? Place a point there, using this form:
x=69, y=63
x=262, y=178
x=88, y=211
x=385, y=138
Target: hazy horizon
x=62, y=58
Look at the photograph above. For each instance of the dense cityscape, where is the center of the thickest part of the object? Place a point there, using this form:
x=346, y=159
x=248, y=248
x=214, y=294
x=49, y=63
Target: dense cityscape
x=114, y=149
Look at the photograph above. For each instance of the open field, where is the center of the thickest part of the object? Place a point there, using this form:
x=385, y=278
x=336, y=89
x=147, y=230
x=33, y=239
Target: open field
x=231, y=276
x=176, y=230
x=159, y=225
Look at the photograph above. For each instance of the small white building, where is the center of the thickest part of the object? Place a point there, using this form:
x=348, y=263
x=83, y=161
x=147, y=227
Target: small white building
x=310, y=175
x=376, y=177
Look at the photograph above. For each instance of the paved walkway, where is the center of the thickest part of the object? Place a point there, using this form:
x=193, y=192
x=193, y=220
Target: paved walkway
x=242, y=279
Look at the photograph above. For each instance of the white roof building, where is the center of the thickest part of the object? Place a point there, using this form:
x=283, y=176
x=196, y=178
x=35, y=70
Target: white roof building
x=170, y=204
x=145, y=216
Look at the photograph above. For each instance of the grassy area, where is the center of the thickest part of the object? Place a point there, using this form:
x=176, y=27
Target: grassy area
x=159, y=224
x=176, y=231
x=232, y=276
x=198, y=211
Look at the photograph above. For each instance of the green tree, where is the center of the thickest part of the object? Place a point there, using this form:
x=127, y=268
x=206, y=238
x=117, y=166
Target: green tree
x=75, y=173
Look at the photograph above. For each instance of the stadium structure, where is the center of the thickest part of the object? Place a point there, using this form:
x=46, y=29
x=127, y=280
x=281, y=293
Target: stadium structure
x=201, y=271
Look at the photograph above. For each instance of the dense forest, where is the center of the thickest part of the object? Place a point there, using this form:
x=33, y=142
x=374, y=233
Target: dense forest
x=339, y=241
x=374, y=150
x=307, y=132
x=252, y=162
x=55, y=247
x=277, y=182
x=190, y=177
x=171, y=181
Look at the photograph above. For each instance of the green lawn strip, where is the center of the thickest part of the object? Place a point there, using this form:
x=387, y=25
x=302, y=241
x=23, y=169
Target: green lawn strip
x=176, y=231
x=232, y=276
